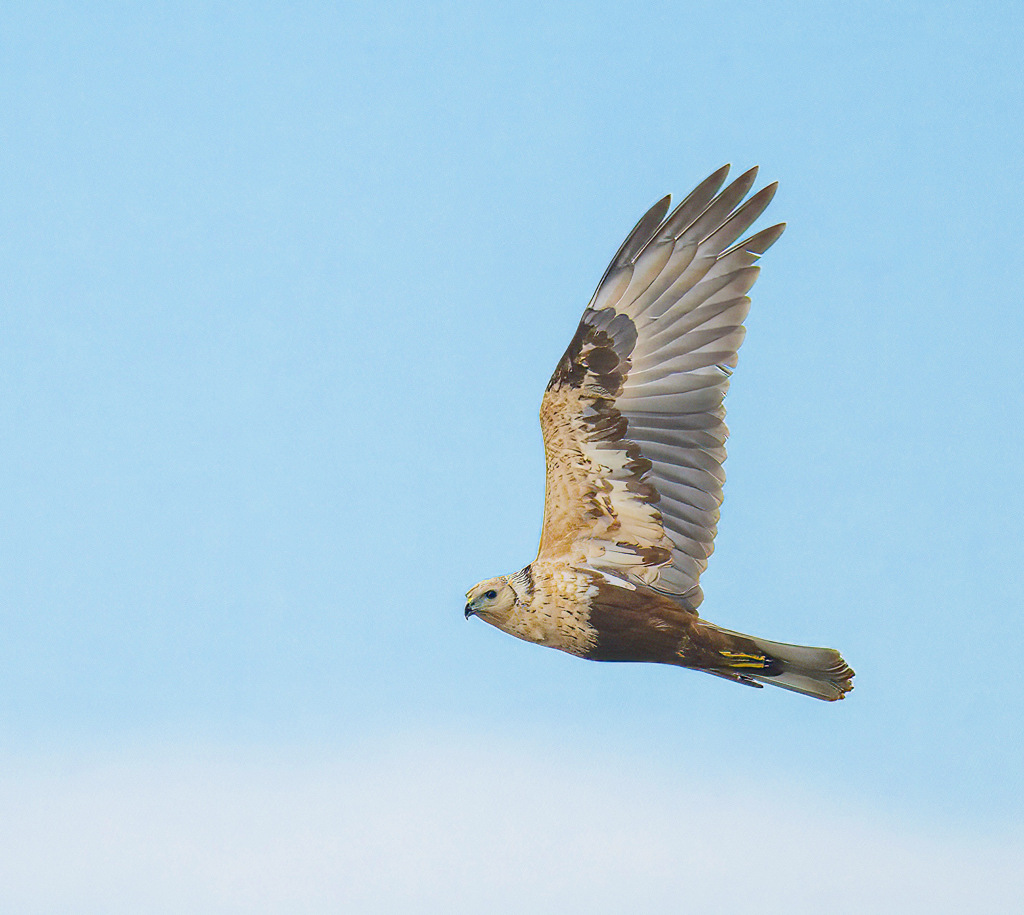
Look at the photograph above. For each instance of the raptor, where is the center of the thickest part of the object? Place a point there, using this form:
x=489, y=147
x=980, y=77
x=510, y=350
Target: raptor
x=634, y=436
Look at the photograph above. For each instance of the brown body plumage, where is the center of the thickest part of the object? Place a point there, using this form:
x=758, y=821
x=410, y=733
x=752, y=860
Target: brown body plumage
x=634, y=434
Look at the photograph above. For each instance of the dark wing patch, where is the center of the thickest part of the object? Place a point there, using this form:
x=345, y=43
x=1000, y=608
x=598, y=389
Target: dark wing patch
x=600, y=347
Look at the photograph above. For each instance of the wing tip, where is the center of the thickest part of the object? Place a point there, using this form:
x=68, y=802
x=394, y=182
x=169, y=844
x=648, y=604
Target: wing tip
x=759, y=242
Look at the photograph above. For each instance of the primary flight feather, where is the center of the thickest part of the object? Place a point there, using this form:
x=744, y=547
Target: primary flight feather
x=634, y=434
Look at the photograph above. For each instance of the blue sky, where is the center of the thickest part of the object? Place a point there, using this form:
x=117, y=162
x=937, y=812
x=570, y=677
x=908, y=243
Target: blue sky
x=282, y=289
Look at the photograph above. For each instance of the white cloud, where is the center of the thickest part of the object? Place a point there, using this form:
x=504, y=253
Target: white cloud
x=460, y=828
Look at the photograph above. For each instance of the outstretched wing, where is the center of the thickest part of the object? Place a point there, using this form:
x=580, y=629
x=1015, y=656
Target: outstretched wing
x=633, y=422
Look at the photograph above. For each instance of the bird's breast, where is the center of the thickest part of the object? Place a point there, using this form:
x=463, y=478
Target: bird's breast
x=557, y=614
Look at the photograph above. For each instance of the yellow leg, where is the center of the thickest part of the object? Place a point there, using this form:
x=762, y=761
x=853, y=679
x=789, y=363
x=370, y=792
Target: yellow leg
x=739, y=659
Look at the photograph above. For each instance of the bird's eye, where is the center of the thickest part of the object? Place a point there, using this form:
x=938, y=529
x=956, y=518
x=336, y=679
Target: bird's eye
x=490, y=595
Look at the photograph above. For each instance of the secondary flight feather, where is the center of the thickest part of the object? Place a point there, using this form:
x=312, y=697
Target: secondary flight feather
x=634, y=435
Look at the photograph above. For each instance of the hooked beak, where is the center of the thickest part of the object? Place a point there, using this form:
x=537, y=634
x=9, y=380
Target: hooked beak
x=470, y=611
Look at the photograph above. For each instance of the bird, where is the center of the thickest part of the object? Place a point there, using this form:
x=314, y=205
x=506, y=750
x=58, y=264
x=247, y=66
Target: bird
x=634, y=437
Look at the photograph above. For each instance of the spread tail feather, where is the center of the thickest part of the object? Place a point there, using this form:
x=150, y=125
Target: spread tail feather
x=818, y=672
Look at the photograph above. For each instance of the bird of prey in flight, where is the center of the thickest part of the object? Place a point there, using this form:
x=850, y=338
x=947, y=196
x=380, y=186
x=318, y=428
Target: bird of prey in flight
x=634, y=434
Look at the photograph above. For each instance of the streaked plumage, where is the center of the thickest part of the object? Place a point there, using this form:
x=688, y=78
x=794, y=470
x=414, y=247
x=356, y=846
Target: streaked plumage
x=634, y=434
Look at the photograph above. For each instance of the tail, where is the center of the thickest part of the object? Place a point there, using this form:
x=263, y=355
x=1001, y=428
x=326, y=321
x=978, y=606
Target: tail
x=818, y=672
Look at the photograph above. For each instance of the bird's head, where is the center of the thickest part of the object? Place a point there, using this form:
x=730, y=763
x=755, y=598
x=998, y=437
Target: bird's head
x=491, y=600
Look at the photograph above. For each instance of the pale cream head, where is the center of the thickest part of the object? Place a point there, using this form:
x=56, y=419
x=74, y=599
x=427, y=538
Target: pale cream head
x=491, y=600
